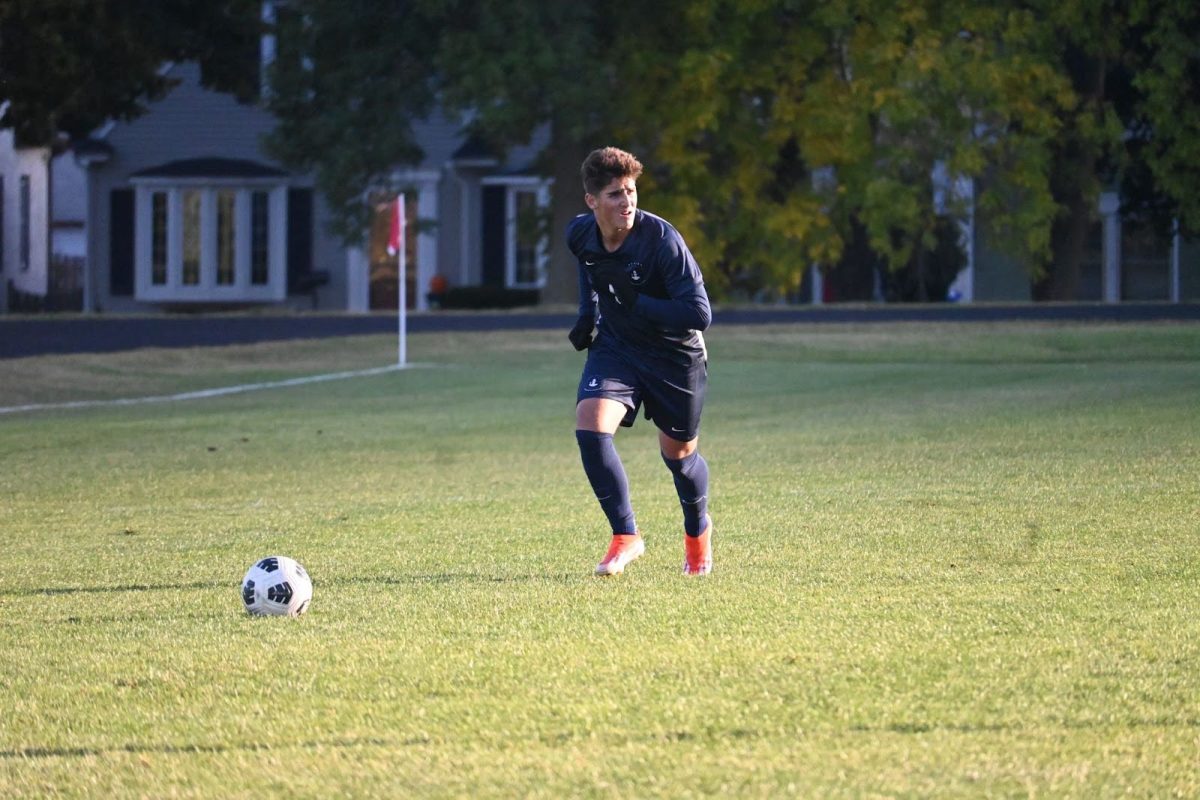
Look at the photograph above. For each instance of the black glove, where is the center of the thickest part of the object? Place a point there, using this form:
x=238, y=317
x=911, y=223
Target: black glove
x=611, y=277
x=581, y=334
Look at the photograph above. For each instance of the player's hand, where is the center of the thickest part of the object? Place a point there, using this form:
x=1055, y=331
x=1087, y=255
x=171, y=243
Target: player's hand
x=613, y=278
x=581, y=334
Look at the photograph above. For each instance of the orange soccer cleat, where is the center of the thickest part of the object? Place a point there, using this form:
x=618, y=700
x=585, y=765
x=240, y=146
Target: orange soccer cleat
x=623, y=549
x=698, y=552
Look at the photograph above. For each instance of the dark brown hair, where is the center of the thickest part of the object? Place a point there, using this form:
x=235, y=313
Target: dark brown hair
x=602, y=166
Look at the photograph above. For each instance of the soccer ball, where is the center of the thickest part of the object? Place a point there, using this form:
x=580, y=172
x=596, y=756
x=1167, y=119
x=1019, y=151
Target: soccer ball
x=277, y=586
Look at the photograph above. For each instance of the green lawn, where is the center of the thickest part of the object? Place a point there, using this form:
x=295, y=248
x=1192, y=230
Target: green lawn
x=949, y=561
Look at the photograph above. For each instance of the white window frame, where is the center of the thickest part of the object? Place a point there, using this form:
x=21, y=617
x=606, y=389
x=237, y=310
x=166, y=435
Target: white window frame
x=512, y=187
x=174, y=290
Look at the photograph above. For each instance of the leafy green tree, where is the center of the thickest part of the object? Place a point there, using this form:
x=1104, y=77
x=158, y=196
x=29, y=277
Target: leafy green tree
x=776, y=133
x=67, y=66
x=1164, y=177
x=789, y=127
x=1134, y=124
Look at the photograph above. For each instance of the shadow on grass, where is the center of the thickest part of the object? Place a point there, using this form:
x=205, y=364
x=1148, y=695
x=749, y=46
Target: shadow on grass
x=188, y=749
x=31, y=753
x=122, y=588
x=383, y=580
x=453, y=577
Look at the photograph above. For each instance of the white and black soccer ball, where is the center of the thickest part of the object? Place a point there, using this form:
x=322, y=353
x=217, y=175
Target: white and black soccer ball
x=277, y=586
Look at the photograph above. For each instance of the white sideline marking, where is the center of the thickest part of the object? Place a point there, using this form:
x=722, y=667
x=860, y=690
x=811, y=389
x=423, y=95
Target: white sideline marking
x=203, y=394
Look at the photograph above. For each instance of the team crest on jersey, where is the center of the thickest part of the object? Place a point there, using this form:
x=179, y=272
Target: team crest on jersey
x=636, y=272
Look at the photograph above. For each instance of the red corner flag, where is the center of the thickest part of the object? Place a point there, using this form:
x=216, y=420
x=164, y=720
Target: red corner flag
x=396, y=231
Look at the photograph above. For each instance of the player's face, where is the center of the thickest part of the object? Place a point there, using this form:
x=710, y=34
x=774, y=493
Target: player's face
x=614, y=206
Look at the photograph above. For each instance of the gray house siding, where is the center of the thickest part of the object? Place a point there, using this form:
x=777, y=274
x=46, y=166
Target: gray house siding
x=189, y=123
x=123, y=193
x=450, y=179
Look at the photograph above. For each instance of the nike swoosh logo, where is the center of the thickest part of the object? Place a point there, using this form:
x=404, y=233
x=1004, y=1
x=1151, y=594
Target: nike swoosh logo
x=676, y=430
x=589, y=263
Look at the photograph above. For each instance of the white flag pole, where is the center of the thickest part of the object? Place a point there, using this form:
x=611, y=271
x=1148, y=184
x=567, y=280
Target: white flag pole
x=402, y=312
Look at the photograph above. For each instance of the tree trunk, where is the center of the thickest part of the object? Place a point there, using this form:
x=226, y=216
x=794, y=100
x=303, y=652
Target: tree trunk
x=1070, y=239
x=922, y=260
x=1074, y=182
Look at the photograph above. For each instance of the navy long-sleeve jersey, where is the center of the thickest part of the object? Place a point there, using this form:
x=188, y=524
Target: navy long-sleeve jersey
x=672, y=307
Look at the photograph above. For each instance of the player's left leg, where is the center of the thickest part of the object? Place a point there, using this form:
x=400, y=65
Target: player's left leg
x=675, y=403
x=690, y=471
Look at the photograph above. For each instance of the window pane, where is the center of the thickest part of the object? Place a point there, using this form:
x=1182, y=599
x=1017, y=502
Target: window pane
x=259, y=239
x=527, y=239
x=191, y=238
x=158, y=239
x=226, y=236
x=26, y=208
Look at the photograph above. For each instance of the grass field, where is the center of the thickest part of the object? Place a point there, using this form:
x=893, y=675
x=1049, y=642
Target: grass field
x=950, y=561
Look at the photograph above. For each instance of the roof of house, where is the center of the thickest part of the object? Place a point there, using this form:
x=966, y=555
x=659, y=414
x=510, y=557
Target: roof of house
x=474, y=148
x=91, y=151
x=211, y=168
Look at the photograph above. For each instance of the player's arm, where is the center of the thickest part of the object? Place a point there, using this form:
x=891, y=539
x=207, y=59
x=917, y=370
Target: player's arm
x=582, y=332
x=686, y=307
x=688, y=312
x=587, y=295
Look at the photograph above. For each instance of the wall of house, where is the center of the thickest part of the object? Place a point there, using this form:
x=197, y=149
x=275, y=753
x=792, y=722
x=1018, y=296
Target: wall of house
x=192, y=122
x=25, y=275
x=68, y=207
x=452, y=203
x=460, y=236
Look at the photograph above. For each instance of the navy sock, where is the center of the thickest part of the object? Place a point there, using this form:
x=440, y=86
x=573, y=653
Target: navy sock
x=691, y=483
x=606, y=473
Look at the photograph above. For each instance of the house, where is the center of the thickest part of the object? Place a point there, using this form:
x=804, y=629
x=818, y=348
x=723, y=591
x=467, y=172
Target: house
x=1123, y=261
x=24, y=218
x=181, y=209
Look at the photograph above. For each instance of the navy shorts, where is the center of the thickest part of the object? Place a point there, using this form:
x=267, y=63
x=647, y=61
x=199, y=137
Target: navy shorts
x=672, y=394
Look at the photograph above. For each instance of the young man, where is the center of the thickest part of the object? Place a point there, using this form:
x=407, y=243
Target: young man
x=642, y=308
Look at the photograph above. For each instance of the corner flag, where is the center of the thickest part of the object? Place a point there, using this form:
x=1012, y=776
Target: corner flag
x=396, y=247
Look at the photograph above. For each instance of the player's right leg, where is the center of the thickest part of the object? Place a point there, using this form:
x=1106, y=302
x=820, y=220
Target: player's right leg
x=596, y=420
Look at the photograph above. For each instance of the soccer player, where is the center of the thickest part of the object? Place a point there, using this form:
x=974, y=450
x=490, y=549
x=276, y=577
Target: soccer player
x=642, y=310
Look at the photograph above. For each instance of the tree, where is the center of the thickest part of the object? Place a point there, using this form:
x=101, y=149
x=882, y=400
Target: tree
x=349, y=78
x=67, y=66
x=518, y=65
x=776, y=133
x=1134, y=125
x=788, y=127
x=1163, y=180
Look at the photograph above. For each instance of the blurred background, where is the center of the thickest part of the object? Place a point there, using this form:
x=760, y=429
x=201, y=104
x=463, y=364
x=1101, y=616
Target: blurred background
x=176, y=155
